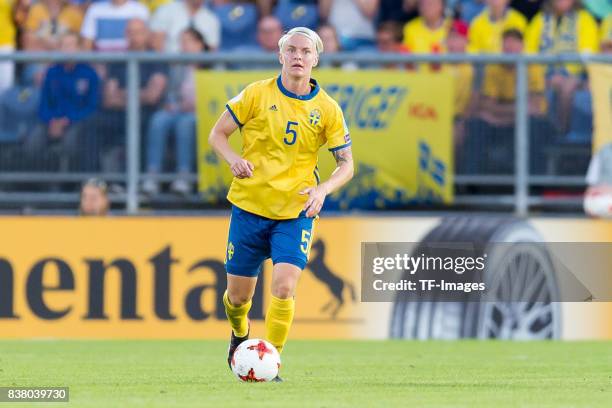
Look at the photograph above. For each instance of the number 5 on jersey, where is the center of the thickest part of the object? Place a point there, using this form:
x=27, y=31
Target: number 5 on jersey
x=291, y=132
x=305, y=246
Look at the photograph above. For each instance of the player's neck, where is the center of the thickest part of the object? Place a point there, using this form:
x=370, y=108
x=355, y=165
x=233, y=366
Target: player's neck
x=298, y=86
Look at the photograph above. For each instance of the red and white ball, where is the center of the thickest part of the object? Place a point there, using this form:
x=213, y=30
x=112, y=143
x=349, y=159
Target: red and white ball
x=598, y=202
x=256, y=360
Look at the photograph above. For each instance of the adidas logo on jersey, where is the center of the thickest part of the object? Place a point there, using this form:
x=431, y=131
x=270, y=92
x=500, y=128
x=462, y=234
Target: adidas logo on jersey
x=274, y=108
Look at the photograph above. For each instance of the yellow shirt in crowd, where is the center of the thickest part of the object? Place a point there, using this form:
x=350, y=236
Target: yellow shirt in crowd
x=485, y=35
x=420, y=39
x=575, y=32
x=7, y=28
x=69, y=19
x=500, y=82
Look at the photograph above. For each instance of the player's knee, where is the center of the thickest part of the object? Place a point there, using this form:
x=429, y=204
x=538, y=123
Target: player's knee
x=283, y=290
x=237, y=298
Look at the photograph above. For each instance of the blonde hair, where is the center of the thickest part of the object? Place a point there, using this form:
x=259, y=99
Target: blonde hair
x=306, y=32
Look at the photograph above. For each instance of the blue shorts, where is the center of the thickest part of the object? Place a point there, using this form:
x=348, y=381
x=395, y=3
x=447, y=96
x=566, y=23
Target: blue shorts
x=253, y=239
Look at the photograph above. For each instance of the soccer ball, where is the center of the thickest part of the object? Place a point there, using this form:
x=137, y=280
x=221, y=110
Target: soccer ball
x=598, y=202
x=255, y=360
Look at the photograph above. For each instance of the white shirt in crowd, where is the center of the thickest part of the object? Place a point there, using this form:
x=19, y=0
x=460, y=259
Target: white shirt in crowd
x=105, y=23
x=173, y=18
x=348, y=20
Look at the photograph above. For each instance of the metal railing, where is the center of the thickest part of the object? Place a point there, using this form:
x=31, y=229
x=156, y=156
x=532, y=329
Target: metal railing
x=521, y=180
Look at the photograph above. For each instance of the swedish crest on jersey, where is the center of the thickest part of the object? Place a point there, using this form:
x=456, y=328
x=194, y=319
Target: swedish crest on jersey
x=315, y=117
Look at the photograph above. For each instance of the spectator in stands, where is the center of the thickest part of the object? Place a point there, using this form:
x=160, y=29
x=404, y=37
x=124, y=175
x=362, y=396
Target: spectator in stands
x=153, y=80
x=401, y=11
x=427, y=33
x=47, y=21
x=238, y=20
x=297, y=13
x=171, y=20
x=490, y=137
x=153, y=76
x=8, y=34
x=70, y=94
x=20, y=14
x=389, y=39
x=329, y=37
x=269, y=31
x=563, y=27
x=498, y=107
x=463, y=75
x=94, y=198
x=105, y=24
x=178, y=118
x=353, y=21
x=331, y=45
x=486, y=29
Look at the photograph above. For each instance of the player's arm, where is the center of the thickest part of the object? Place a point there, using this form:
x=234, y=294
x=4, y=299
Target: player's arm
x=341, y=175
x=343, y=172
x=219, y=141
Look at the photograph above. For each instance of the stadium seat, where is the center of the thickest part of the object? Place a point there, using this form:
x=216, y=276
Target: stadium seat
x=293, y=14
x=238, y=25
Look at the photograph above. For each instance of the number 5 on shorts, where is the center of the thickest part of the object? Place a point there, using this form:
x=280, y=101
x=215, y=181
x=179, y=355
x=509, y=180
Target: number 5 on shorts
x=305, y=246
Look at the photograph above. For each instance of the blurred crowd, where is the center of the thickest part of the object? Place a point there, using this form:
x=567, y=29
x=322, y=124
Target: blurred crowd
x=45, y=109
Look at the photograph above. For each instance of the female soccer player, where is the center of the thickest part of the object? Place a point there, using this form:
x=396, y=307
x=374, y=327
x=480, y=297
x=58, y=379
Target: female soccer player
x=276, y=194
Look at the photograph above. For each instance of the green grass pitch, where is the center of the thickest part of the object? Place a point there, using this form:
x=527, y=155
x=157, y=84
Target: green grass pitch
x=317, y=374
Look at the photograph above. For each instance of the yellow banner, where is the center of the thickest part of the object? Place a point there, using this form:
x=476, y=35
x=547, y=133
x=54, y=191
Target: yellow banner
x=600, y=78
x=152, y=278
x=400, y=124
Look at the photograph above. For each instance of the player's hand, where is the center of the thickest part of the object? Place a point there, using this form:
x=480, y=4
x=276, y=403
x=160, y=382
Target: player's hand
x=315, y=200
x=242, y=168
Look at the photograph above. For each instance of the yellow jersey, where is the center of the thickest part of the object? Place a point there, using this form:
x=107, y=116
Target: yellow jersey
x=282, y=133
x=7, y=28
x=421, y=39
x=485, y=35
x=575, y=32
x=70, y=18
x=500, y=83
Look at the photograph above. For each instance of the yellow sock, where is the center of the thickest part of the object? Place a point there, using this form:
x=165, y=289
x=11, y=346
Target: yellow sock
x=278, y=321
x=237, y=316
